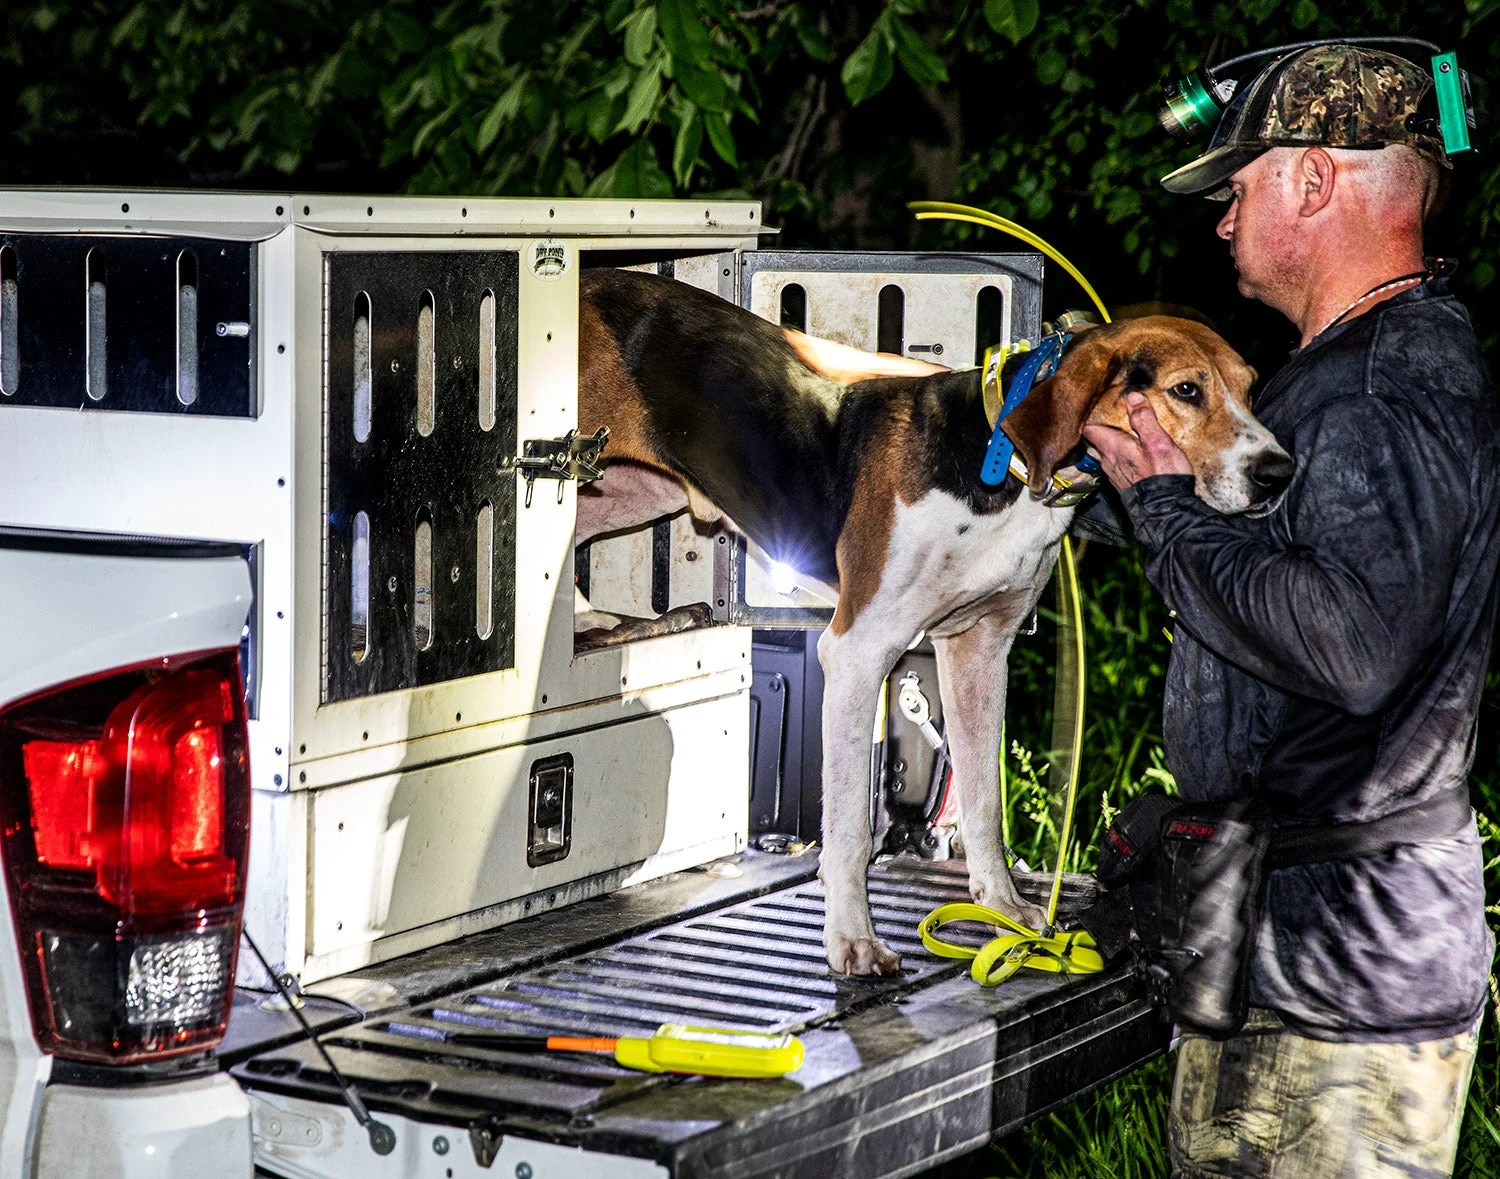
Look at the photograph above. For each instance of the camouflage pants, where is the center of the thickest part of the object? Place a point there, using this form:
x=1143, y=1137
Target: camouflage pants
x=1268, y=1104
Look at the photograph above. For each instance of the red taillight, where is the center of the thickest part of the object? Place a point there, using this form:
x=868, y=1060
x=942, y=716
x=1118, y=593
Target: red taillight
x=125, y=805
x=60, y=777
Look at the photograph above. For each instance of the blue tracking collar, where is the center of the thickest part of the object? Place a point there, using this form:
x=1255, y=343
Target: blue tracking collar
x=997, y=457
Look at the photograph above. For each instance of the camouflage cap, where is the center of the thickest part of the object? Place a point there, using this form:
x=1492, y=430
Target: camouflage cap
x=1329, y=95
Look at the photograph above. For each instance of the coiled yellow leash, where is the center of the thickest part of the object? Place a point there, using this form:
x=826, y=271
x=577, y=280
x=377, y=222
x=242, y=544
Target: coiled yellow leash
x=1020, y=946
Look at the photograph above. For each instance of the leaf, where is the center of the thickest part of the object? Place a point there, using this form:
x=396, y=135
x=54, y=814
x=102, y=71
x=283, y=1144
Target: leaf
x=705, y=88
x=686, y=37
x=428, y=129
x=504, y=110
x=685, y=150
x=1123, y=203
x=917, y=57
x=603, y=115
x=1050, y=67
x=869, y=67
x=407, y=33
x=1136, y=124
x=616, y=14
x=604, y=183
x=575, y=41
x=618, y=81
x=816, y=45
x=642, y=99
x=572, y=181
x=1304, y=12
x=1012, y=18
x=357, y=78
x=722, y=138
x=640, y=31
x=637, y=173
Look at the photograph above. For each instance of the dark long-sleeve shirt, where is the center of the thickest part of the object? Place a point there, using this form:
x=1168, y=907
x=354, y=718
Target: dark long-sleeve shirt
x=1331, y=655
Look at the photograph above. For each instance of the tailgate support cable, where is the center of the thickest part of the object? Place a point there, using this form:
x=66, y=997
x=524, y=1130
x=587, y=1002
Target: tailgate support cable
x=382, y=1137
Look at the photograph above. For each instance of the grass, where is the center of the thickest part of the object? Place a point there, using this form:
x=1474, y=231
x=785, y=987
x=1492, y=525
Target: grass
x=1120, y=1131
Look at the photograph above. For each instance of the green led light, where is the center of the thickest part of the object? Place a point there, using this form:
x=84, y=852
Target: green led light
x=1454, y=117
x=1191, y=108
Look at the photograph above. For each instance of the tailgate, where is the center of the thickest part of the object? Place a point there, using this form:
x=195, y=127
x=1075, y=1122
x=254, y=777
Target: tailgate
x=900, y=1073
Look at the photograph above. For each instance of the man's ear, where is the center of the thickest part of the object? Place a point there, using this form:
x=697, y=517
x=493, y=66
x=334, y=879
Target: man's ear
x=1316, y=177
x=1049, y=423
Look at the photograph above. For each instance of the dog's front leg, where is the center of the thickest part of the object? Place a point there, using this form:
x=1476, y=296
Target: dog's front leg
x=854, y=667
x=971, y=678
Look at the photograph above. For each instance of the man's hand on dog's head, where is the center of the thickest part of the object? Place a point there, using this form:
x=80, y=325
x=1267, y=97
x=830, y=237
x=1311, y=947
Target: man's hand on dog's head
x=1129, y=458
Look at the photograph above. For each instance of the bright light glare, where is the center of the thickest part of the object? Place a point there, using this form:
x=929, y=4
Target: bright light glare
x=783, y=578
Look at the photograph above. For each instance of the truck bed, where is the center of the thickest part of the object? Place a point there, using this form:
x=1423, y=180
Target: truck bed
x=900, y=1073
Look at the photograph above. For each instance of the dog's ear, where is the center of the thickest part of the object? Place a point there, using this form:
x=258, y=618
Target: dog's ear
x=1049, y=423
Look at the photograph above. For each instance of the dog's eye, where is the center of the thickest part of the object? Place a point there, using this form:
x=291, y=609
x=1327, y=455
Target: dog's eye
x=1187, y=391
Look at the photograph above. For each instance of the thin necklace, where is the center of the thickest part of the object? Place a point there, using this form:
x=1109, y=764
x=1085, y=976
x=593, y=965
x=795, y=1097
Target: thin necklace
x=1405, y=280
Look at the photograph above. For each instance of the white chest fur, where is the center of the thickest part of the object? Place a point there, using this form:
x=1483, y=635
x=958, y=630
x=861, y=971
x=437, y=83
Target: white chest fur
x=945, y=565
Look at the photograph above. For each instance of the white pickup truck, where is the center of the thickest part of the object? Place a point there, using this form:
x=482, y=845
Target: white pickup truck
x=288, y=572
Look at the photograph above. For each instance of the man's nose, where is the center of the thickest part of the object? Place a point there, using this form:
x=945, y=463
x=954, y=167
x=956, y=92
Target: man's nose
x=1270, y=474
x=1225, y=228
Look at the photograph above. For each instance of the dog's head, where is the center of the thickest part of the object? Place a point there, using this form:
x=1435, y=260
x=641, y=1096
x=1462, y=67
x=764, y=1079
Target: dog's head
x=1198, y=387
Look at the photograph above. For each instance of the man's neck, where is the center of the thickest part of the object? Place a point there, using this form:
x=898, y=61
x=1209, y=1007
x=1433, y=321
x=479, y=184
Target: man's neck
x=1336, y=288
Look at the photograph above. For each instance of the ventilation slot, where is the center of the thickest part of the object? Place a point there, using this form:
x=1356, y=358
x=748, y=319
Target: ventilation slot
x=794, y=306
x=95, y=379
x=359, y=589
x=989, y=321
x=484, y=563
x=421, y=612
x=487, y=389
x=891, y=329
x=363, y=368
x=10, y=338
x=187, y=327
x=426, y=366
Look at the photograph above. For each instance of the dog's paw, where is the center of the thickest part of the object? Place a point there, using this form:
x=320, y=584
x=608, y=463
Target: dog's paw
x=1009, y=902
x=861, y=955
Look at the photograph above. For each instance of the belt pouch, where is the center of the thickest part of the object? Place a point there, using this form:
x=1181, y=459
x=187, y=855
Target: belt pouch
x=1197, y=908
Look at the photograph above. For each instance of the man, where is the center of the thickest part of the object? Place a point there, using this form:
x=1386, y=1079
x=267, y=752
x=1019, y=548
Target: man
x=1330, y=655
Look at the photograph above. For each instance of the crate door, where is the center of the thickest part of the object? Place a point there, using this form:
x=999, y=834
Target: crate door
x=419, y=583
x=946, y=308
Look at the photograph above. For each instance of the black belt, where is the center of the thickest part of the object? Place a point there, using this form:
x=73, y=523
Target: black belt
x=1438, y=818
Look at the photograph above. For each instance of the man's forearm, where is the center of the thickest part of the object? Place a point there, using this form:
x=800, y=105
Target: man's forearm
x=1305, y=624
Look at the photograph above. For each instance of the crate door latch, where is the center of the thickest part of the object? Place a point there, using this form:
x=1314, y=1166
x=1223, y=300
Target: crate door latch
x=573, y=456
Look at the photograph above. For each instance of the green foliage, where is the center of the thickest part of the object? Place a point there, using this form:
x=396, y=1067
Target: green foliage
x=834, y=114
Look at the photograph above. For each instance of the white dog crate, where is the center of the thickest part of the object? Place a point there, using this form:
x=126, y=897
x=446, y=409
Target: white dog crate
x=335, y=384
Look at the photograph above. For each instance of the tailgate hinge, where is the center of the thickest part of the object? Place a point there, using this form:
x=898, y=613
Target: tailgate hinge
x=486, y=1139
x=573, y=456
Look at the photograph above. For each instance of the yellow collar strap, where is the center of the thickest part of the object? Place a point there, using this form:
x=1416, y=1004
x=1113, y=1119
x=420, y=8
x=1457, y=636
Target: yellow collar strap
x=998, y=959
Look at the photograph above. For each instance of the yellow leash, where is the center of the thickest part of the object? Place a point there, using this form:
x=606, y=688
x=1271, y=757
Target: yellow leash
x=1001, y=957
x=1045, y=949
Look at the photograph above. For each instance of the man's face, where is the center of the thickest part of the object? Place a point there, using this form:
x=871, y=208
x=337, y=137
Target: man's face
x=1262, y=227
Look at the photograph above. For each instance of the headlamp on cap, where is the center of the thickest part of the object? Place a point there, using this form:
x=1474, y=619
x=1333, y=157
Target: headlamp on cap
x=1195, y=103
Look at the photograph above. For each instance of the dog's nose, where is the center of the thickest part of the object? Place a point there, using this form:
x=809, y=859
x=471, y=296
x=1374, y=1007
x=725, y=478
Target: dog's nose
x=1270, y=474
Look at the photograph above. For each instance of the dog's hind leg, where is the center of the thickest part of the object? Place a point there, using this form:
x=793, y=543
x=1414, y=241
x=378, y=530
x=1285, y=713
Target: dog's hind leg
x=971, y=678
x=629, y=495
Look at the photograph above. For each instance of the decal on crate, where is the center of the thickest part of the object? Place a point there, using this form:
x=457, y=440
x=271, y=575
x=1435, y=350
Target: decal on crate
x=420, y=405
x=548, y=258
